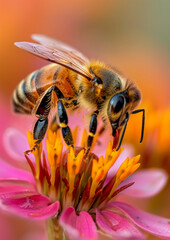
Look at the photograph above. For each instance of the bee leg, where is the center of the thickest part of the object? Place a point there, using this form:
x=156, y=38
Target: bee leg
x=39, y=131
x=71, y=104
x=63, y=123
x=62, y=114
x=92, y=129
x=41, y=124
x=54, y=126
x=143, y=121
x=123, y=132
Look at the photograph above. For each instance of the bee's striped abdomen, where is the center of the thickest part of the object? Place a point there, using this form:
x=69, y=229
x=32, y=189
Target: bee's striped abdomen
x=30, y=90
x=25, y=95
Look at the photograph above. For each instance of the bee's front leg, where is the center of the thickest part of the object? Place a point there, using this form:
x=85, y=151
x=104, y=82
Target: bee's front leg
x=42, y=113
x=92, y=129
x=63, y=123
x=39, y=131
x=41, y=124
x=63, y=118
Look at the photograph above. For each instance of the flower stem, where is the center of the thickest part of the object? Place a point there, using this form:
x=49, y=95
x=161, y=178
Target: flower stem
x=55, y=232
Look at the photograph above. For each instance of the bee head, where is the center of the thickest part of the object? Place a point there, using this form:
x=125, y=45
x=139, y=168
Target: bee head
x=116, y=111
x=120, y=106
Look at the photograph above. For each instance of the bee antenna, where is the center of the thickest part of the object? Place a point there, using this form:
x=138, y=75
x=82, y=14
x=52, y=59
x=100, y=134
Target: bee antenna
x=143, y=121
x=123, y=132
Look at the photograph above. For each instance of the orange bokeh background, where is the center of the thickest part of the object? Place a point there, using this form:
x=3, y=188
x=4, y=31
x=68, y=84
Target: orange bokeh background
x=131, y=35
x=120, y=33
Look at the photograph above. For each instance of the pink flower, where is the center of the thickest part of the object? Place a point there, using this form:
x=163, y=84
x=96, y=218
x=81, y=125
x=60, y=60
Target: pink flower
x=71, y=189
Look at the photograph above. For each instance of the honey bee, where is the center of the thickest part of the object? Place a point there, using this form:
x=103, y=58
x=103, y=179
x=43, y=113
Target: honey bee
x=72, y=81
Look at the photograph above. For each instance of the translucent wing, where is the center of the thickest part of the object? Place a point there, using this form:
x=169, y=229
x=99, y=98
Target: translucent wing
x=52, y=43
x=65, y=56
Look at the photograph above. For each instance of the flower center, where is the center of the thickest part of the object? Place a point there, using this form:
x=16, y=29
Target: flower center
x=76, y=177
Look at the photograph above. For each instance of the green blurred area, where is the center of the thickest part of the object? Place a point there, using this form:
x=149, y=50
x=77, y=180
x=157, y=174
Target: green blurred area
x=131, y=23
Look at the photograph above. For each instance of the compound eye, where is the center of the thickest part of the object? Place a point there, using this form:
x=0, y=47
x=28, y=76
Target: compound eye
x=116, y=103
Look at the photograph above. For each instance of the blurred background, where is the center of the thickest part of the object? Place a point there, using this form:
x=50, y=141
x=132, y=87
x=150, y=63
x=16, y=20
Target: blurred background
x=133, y=36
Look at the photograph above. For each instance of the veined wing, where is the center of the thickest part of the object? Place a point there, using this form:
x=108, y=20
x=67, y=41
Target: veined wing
x=53, y=43
x=59, y=56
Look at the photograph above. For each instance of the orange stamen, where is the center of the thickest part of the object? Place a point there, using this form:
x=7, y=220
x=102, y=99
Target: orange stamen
x=36, y=152
x=83, y=139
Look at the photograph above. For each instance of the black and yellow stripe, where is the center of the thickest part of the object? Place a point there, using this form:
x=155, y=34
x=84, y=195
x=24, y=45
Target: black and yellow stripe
x=31, y=89
x=92, y=128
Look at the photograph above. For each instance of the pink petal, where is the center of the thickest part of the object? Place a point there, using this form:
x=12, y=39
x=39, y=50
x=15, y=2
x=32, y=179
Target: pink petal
x=153, y=224
x=78, y=227
x=12, y=173
x=14, y=186
x=117, y=226
x=7, y=196
x=15, y=144
x=26, y=203
x=148, y=182
x=8, y=119
x=33, y=206
x=45, y=212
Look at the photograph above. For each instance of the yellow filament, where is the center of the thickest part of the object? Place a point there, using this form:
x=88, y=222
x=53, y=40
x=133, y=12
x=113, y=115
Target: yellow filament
x=94, y=168
x=102, y=166
x=124, y=171
x=54, y=151
x=134, y=160
x=101, y=161
x=73, y=166
x=99, y=171
x=70, y=159
x=122, y=167
x=71, y=182
x=115, y=154
x=53, y=171
x=50, y=153
x=135, y=167
x=58, y=147
x=109, y=165
x=93, y=189
x=79, y=159
x=36, y=152
x=45, y=187
x=83, y=139
x=52, y=135
x=100, y=175
x=54, y=147
x=30, y=139
x=75, y=133
x=74, y=163
x=108, y=150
